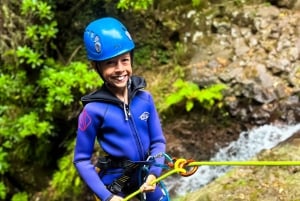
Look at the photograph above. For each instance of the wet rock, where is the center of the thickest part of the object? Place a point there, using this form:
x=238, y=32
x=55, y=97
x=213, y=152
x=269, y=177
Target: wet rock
x=285, y=3
x=263, y=59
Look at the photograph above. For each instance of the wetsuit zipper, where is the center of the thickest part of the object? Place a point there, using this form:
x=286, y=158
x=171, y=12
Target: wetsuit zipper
x=126, y=111
x=134, y=130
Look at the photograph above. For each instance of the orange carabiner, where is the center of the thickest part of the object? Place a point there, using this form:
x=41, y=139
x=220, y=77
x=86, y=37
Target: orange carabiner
x=171, y=164
x=189, y=170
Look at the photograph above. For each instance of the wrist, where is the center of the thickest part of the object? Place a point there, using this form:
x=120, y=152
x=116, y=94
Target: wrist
x=109, y=197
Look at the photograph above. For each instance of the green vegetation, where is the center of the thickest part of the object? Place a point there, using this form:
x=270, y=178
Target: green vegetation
x=135, y=4
x=189, y=93
x=37, y=92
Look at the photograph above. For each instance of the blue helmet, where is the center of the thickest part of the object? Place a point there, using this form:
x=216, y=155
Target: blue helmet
x=106, y=38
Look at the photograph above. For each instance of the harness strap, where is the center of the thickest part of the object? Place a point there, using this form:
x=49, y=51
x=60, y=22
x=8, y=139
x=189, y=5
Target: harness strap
x=108, y=162
x=119, y=184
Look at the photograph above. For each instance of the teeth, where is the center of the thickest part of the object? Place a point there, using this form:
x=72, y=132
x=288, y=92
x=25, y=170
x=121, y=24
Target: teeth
x=120, y=78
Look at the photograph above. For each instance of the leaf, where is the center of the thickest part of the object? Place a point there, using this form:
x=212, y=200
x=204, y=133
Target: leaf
x=189, y=105
x=2, y=191
x=190, y=93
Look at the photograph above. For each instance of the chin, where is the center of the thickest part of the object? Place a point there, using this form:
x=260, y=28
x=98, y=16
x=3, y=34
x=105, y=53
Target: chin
x=121, y=85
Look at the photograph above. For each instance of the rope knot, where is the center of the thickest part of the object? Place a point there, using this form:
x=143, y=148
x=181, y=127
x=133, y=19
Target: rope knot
x=184, y=164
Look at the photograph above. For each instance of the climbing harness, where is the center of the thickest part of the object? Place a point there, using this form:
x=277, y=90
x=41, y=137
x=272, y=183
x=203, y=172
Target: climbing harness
x=178, y=166
x=187, y=167
x=121, y=184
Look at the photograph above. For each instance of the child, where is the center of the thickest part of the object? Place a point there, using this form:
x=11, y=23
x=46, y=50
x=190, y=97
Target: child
x=121, y=116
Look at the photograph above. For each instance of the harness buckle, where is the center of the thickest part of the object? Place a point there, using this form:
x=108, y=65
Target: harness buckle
x=115, y=187
x=103, y=163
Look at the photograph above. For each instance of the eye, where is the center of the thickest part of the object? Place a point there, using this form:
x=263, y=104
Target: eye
x=110, y=63
x=126, y=60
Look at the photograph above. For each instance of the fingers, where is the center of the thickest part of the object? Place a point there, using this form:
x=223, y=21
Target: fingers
x=149, y=186
x=116, y=198
x=150, y=178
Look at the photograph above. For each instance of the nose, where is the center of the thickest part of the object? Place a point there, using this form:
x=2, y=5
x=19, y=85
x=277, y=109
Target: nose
x=119, y=65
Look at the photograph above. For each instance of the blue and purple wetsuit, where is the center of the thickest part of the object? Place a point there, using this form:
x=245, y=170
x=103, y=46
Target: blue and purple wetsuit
x=132, y=132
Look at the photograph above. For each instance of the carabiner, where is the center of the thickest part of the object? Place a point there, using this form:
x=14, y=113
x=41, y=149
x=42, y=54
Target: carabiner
x=189, y=170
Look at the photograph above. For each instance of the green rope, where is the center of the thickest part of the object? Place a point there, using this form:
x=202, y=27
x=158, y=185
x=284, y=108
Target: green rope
x=246, y=163
x=176, y=170
x=179, y=169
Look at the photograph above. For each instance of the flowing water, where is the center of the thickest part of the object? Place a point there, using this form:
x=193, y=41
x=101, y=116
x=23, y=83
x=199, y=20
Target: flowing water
x=249, y=144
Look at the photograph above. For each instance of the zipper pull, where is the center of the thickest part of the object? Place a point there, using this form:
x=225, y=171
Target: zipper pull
x=128, y=111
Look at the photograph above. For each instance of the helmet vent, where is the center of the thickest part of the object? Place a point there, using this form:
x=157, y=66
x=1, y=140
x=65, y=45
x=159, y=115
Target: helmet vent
x=97, y=44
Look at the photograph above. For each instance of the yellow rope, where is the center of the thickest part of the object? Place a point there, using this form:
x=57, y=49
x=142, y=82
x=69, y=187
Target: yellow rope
x=179, y=169
x=246, y=163
x=176, y=170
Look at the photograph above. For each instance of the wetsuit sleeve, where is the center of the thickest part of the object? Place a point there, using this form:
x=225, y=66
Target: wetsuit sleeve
x=158, y=142
x=86, y=135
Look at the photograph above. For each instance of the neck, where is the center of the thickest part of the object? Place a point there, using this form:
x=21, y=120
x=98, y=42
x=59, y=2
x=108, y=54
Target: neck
x=121, y=94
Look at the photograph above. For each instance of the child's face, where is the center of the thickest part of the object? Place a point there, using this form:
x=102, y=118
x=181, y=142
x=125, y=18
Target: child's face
x=116, y=71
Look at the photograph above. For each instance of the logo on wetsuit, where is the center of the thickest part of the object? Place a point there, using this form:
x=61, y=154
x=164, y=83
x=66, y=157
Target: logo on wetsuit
x=144, y=116
x=84, y=121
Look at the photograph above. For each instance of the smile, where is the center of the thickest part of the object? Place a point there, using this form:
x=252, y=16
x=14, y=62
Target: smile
x=120, y=78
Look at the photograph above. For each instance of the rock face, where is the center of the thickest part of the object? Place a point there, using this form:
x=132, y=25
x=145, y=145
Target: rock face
x=286, y=3
x=255, y=51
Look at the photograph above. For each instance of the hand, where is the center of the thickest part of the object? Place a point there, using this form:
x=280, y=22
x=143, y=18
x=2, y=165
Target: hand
x=147, y=187
x=116, y=198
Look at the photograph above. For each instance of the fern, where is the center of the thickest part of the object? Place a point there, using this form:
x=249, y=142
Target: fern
x=189, y=93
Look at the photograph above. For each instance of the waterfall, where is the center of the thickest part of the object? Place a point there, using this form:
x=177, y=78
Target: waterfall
x=249, y=144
